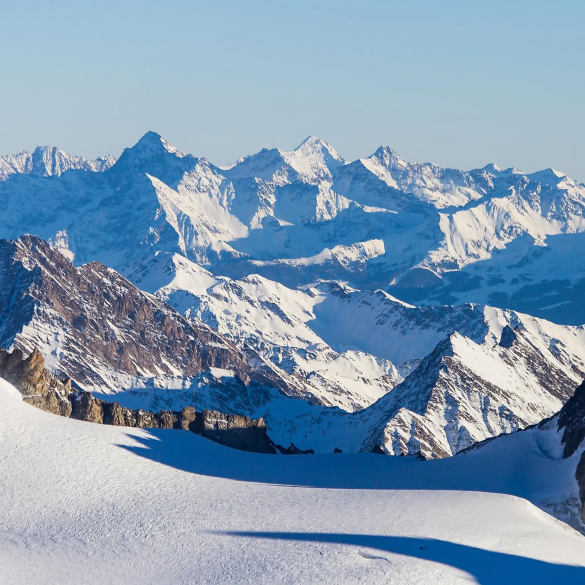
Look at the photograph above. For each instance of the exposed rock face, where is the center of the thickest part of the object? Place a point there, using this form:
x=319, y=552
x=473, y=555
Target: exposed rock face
x=571, y=420
x=107, y=332
x=580, y=477
x=38, y=387
x=235, y=431
x=508, y=337
x=42, y=389
x=231, y=430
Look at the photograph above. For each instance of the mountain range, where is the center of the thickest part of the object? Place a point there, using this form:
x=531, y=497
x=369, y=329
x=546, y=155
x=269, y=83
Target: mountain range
x=426, y=235
x=375, y=305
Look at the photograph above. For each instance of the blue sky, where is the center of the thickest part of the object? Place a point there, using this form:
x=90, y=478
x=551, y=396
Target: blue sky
x=459, y=83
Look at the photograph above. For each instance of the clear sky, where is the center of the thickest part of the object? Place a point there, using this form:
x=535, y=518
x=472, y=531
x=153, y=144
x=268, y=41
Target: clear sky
x=460, y=83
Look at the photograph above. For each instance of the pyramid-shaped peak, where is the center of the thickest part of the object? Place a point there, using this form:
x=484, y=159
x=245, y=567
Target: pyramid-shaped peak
x=492, y=168
x=389, y=158
x=153, y=155
x=314, y=145
x=154, y=143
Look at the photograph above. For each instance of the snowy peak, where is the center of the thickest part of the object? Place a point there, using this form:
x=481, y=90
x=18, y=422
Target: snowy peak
x=153, y=144
x=316, y=149
x=49, y=161
x=153, y=155
x=389, y=159
x=311, y=162
x=267, y=165
x=314, y=160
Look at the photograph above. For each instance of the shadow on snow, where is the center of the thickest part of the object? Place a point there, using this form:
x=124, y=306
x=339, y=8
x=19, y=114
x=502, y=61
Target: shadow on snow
x=488, y=567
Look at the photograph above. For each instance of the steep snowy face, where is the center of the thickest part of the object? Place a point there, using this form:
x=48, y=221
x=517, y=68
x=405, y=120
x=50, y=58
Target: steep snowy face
x=314, y=160
x=154, y=156
x=461, y=393
x=464, y=392
x=438, y=379
x=48, y=161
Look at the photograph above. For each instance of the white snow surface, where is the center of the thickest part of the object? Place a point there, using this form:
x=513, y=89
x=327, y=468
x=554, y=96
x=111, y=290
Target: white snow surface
x=92, y=504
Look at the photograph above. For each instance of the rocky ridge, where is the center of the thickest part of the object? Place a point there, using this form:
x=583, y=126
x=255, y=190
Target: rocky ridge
x=101, y=331
x=254, y=348
x=44, y=390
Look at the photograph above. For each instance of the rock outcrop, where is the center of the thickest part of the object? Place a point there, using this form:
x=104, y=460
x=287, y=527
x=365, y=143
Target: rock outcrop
x=44, y=390
x=231, y=430
x=37, y=386
x=571, y=421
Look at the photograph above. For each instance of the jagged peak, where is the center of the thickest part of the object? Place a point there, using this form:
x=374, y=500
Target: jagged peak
x=47, y=161
x=155, y=156
x=389, y=158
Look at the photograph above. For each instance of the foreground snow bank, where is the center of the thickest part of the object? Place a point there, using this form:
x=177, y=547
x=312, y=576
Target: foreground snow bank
x=85, y=503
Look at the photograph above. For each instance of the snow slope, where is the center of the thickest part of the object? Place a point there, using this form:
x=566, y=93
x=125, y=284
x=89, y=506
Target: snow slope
x=274, y=320
x=86, y=503
x=434, y=380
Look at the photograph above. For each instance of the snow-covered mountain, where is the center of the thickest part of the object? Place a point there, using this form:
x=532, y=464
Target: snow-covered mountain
x=276, y=321
x=95, y=327
x=48, y=161
x=429, y=235
x=302, y=263
x=436, y=379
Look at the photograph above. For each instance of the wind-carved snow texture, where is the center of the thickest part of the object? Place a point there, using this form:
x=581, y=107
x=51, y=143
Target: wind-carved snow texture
x=313, y=267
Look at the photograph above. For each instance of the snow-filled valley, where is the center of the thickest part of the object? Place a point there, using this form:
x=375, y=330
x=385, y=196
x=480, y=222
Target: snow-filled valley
x=87, y=503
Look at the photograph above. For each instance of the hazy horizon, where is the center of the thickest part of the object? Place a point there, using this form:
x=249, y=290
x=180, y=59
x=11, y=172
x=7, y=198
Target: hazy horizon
x=455, y=84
